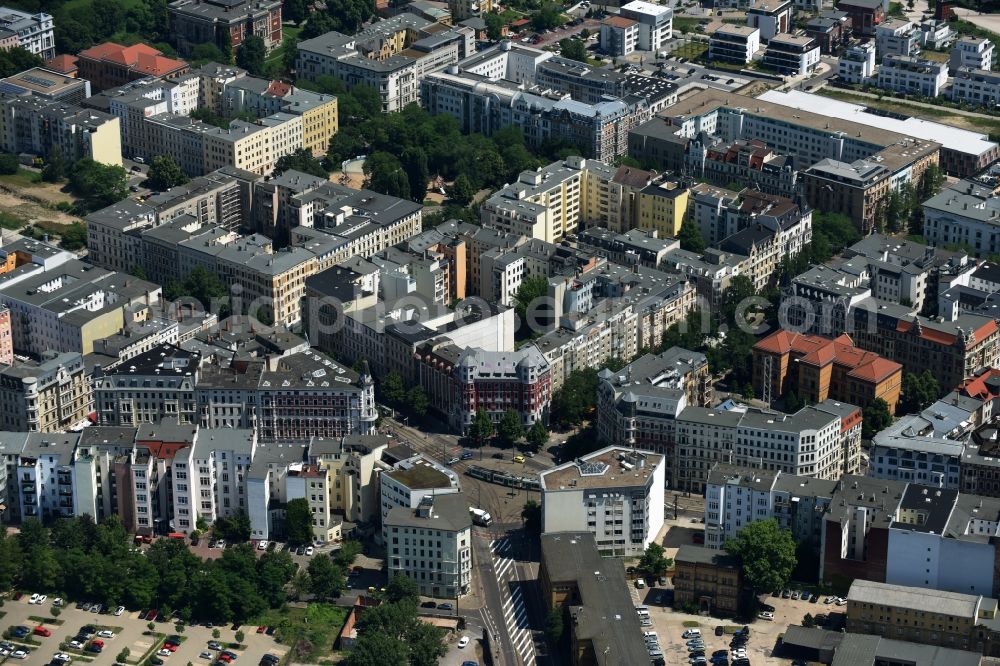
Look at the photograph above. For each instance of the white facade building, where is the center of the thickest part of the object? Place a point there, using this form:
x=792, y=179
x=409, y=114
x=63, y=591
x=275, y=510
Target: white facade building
x=734, y=43
x=906, y=74
x=857, y=64
x=978, y=87
x=615, y=493
x=34, y=32
x=432, y=545
x=973, y=52
x=655, y=23
x=411, y=481
x=910, y=450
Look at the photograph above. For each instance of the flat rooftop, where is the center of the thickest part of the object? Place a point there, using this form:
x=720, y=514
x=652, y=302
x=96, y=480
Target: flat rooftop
x=949, y=137
x=603, y=469
x=420, y=476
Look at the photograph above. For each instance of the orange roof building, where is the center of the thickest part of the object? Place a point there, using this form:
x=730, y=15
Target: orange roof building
x=818, y=368
x=64, y=64
x=109, y=65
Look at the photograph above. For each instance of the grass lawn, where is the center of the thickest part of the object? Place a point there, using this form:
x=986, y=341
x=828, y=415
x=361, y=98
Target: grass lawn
x=685, y=23
x=274, y=63
x=936, y=56
x=691, y=624
x=691, y=51
x=310, y=632
x=23, y=178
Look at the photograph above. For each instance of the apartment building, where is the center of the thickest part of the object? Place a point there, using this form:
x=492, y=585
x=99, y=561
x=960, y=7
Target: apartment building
x=935, y=33
x=831, y=33
x=498, y=382
x=709, y=579
x=952, y=351
x=552, y=202
x=208, y=477
x=737, y=496
x=771, y=17
x=817, y=368
x=150, y=387
x=266, y=487
x=619, y=36
x=908, y=74
x=965, y=213
x=410, y=481
x=70, y=307
x=109, y=65
x=351, y=464
x=734, y=44
x=865, y=15
x=525, y=91
x=6, y=339
x=289, y=398
x=615, y=493
x=791, y=55
x=32, y=32
x=194, y=22
x=50, y=395
x=462, y=10
x=896, y=37
x=432, y=545
x=391, y=56
x=911, y=450
x=857, y=64
x=929, y=617
x=972, y=52
x=661, y=208
x=33, y=125
x=978, y=87
x=573, y=574
x=654, y=23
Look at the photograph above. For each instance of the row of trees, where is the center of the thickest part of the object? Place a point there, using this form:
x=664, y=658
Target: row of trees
x=508, y=431
x=79, y=559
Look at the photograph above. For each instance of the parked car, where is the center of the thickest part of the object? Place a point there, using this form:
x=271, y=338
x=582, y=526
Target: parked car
x=446, y=606
x=463, y=641
x=96, y=608
x=214, y=645
x=156, y=661
x=262, y=545
x=428, y=604
x=164, y=652
x=119, y=610
x=764, y=615
x=42, y=631
x=58, y=601
x=61, y=656
x=467, y=455
x=261, y=629
x=309, y=551
x=205, y=654
x=77, y=644
x=93, y=647
x=152, y=615
x=33, y=599
x=21, y=632
x=19, y=654
x=106, y=633
x=451, y=461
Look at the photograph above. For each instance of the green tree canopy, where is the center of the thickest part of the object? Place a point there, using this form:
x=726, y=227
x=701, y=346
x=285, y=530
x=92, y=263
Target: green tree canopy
x=482, y=427
x=251, y=55
x=574, y=49
x=99, y=185
x=402, y=588
x=875, y=418
x=55, y=166
x=386, y=175
x=767, y=553
x=164, y=174
x=654, y=560
x=326, y=579
x=510, y=430
x=301, y=160
x=919, y=391
x=531, y=514
x=690, y=236
x=461, y=191
x=576, y=398
x=538, y=436
x=9, y=163
x=298, y=522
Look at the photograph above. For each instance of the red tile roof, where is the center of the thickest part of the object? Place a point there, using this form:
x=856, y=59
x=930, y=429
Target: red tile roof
x=64, y=64
x=820, y=352
x=140, y=57
x=976, y=387
x=619, y=22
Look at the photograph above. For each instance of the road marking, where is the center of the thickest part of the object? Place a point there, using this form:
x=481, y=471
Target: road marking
x=515, y=612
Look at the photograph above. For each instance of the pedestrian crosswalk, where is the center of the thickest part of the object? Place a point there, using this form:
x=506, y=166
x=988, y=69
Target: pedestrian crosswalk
x=515, y=613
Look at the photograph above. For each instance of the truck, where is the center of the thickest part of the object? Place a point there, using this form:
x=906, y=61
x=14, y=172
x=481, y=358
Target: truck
x=480, y=517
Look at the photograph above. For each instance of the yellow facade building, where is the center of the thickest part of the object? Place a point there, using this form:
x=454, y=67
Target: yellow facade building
x=662, y=207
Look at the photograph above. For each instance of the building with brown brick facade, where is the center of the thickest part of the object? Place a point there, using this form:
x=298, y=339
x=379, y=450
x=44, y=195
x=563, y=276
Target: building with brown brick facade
x=818, y=368
x=709, y=578
x=110, y=65
x=206, y=21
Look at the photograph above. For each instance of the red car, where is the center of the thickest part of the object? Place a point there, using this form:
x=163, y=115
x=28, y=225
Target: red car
x=261, y=629
x=225, y=657
x=42, y=631
x=152, y=615
x=171, y=646
x=98, y=642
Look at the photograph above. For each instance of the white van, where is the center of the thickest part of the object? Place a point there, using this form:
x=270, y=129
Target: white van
x=639, y=583
x=691, y=633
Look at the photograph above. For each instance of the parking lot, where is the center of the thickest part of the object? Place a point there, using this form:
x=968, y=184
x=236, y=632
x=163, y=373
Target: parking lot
x=670, y=626
x=129, y=632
